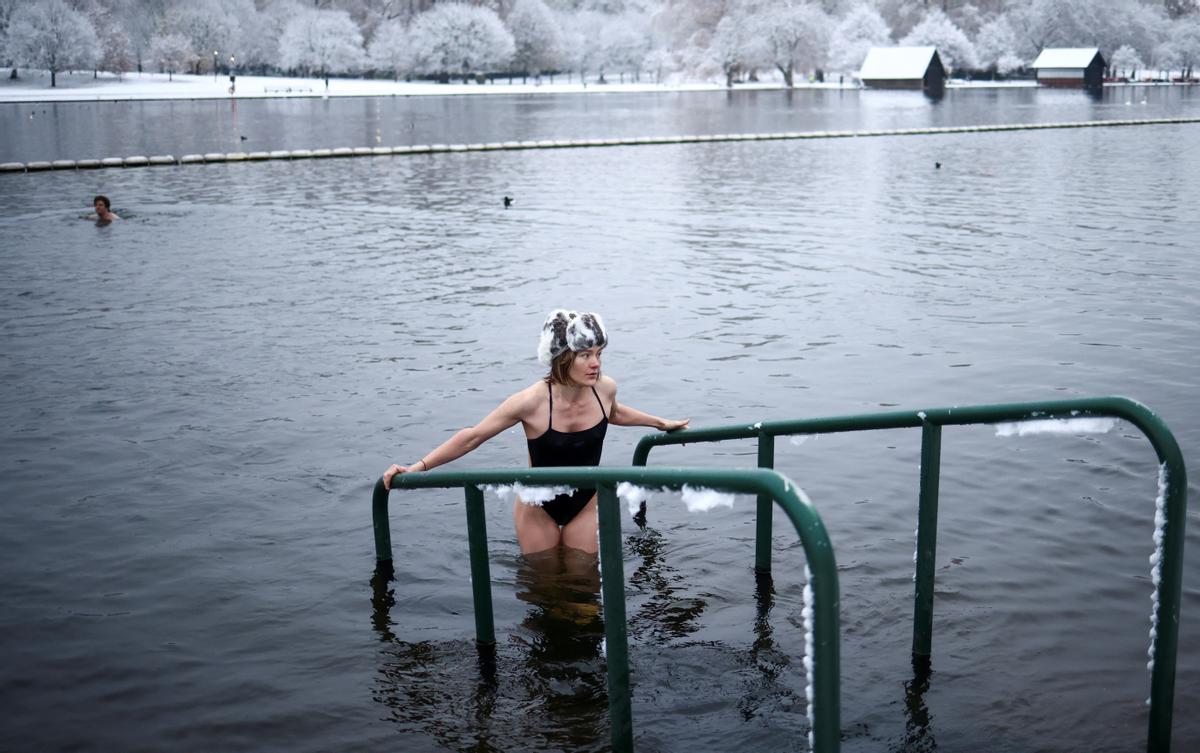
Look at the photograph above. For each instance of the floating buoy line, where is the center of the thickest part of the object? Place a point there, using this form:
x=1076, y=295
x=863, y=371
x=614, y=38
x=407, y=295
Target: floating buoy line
x=506, y=146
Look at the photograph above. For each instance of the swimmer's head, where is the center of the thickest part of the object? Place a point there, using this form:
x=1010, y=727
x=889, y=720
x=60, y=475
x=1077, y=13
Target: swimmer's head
x=569, y=332
x=101, y=199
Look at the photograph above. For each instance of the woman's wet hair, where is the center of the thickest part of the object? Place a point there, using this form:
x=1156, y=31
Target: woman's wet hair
x=560, y=368
x=103, y=198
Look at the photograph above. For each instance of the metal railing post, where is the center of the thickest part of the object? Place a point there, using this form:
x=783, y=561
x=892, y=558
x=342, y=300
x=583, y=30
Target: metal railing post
x=616, y=639
x=481, y=577
x=926, y=552
x=381, y=525
x=766, y=508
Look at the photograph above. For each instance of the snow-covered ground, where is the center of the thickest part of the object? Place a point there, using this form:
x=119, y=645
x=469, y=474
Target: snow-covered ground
x=34, y=86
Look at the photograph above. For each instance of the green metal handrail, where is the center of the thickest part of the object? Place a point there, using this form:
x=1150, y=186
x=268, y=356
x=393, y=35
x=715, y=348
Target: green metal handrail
x=824, y=705
x=931, y=421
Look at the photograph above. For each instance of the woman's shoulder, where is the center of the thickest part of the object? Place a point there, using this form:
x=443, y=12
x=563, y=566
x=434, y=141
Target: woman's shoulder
x=530, y=395
x=606, y=385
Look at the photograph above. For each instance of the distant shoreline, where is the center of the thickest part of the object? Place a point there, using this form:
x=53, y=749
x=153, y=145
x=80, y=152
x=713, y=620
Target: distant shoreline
x=132, y=87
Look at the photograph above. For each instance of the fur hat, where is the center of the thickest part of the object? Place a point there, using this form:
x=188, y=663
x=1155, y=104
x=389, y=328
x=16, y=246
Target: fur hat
x=570, y=330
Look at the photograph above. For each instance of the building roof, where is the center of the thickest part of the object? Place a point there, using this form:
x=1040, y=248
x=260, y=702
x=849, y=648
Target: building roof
x=1066, y=57
x=896, y=62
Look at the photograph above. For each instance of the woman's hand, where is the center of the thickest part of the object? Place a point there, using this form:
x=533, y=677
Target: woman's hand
x=387, y=475
x=670, y=425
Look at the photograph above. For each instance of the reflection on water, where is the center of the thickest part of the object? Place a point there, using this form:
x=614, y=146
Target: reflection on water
x=668, y=611
x=560, y=640
x=545, y=688
x=918, y=733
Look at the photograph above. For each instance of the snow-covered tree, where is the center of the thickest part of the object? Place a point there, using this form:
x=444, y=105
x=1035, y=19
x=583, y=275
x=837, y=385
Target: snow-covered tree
x=141, y=20
x=255, y=45
x=659, y=62
x=1126, y=60
x=582, y=33
x=263, y=52
x=861, y=29
x=322, y=42
x=623, y=45
x=937, y=30
x=116, y=51
x=537, y=39
x=735, y=46
x=458, y=38
x=171, y=52
x=1177, y=8
x=794, y=35
x=50, y=34
x=1106, y=24
x=7, y=7
x=996, y=46
x=389, y=50
x=1184, y=36
x=207, y=25
x=901, y=15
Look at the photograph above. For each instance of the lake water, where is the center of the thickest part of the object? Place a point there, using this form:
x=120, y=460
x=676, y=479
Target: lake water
x=198, y=399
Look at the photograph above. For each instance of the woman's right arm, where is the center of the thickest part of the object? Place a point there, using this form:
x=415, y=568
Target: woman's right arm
x=503, y=417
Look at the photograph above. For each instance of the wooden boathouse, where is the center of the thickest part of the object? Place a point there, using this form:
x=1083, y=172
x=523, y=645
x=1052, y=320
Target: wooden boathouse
x=903, y=68
x=1070, y=67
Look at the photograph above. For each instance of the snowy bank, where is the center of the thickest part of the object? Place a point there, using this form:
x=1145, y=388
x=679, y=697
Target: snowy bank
x=34, y=86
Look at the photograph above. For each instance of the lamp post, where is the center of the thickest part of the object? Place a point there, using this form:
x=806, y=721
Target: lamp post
x=214, y=66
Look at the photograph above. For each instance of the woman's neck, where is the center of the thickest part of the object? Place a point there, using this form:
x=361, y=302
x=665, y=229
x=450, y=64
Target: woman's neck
x=570, y=392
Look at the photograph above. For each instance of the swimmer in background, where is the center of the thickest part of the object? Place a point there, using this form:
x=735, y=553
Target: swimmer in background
x=104, y=213
x=565, y=416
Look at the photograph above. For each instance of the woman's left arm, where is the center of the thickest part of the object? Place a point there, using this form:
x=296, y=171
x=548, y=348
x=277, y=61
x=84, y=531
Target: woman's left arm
x=624, y=415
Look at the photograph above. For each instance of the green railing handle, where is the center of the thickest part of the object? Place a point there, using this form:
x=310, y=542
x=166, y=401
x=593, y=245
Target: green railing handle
x=824, y=705
x=930, y=421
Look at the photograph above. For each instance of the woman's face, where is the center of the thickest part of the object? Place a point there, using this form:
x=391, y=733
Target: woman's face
x=585, y=369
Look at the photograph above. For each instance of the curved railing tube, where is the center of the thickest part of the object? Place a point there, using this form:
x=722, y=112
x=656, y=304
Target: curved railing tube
x=931, y=421
x=825, y=705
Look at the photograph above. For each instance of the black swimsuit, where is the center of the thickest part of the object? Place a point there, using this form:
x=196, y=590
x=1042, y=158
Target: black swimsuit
x=560, y=448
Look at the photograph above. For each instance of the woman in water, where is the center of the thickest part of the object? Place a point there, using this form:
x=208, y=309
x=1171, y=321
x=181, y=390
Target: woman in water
x=565, y=416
